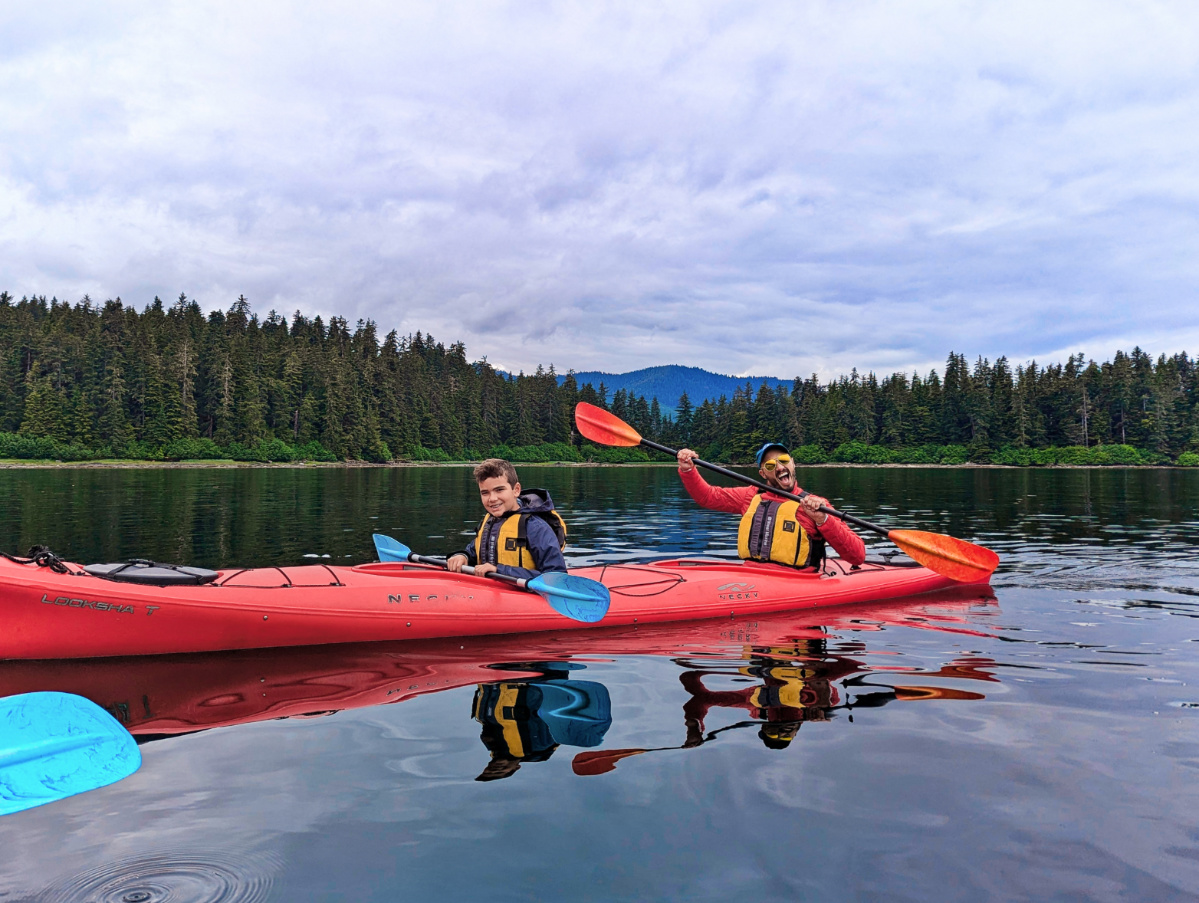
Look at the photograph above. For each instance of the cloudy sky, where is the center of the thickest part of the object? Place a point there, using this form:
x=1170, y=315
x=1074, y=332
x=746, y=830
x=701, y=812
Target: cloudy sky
x=765, y=188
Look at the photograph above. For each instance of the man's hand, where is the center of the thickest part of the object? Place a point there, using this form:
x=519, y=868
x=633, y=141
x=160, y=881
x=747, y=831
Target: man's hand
x=686, y=458
x=482, y=570
x=456, y=563
x=811, y=505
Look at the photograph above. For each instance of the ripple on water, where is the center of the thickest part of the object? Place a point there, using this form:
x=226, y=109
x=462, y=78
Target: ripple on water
x=169, y=877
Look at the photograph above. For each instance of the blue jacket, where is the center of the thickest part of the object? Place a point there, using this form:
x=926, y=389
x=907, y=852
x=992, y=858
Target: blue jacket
x=543, y=542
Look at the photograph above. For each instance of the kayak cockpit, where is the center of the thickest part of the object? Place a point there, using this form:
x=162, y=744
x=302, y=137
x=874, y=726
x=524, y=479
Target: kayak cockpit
x=144, y=572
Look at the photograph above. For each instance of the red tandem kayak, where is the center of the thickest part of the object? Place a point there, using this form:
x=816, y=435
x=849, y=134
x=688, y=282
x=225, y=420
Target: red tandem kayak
x=77, y=615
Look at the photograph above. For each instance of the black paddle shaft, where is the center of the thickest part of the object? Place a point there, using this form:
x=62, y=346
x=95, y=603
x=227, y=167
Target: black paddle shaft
x=740, y=477
x=440, y=563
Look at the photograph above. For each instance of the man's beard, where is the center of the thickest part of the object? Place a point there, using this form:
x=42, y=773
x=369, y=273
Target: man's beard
x=773, y=480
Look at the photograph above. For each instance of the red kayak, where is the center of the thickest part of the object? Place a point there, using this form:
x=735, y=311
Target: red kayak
x=49, y=614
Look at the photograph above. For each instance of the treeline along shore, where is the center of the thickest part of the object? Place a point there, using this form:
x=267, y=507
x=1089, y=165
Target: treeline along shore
x=90, y=381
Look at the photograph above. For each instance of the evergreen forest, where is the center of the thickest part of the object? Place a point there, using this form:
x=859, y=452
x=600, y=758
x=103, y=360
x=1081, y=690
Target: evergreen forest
x=90, y=381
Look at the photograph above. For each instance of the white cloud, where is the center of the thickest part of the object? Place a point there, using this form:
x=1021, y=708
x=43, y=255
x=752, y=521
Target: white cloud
x=741, y=187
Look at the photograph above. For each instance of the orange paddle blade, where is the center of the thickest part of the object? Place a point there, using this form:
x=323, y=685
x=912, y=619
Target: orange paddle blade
x=955, y=558
x=607, y=429
x=601, y=761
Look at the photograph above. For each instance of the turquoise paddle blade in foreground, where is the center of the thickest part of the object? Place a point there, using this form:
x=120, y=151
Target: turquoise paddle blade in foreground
x=54, y=745
x=577, y=598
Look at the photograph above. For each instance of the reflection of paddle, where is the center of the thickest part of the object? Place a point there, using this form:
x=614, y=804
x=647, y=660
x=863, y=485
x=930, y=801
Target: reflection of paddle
x=575, y=597
x=953, y=558
x=601, y=761
x=54, y=745
x=912, y=694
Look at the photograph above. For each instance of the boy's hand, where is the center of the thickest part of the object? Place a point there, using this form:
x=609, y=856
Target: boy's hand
x=482, y=570
x=456, y=563
x=686, y=458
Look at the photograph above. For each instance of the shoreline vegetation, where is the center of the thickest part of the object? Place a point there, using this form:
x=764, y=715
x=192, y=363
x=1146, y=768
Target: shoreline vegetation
x=18, y=451
x=107, y=384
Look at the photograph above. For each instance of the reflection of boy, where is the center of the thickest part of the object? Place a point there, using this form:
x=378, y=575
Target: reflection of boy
x=512, y=732
x=521, y=535
x=525, y=721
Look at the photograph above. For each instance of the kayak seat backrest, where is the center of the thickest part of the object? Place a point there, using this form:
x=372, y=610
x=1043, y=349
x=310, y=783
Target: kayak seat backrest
x=152, y=573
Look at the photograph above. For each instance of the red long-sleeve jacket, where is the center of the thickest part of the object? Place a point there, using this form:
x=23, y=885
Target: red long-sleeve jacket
x=736, y=500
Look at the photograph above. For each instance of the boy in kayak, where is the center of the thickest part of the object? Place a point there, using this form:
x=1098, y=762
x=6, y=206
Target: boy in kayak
x=775, y=528
x=521, y=534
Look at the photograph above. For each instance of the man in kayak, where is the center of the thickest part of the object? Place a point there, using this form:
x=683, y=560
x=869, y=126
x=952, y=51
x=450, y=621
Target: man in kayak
x=521, y=534
x=775, y=528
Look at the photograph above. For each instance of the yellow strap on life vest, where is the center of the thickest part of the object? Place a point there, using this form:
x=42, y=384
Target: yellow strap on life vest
x=793, y=679
x=789, y=695
x=780, y=537
x=511, y=548
x=508, y=697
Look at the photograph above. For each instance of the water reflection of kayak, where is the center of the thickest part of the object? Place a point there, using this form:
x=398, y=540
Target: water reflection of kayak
x=177, y=694
x=79, y=615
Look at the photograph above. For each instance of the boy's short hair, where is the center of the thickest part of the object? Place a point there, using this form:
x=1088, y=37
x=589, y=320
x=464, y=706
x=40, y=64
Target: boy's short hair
x=496, y=467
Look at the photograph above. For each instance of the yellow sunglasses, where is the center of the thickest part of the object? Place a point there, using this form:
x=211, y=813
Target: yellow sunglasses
x=770, y=465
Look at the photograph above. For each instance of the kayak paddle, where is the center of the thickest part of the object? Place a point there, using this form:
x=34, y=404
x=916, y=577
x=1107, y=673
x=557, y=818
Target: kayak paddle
x=954, y=558
x=54, y=745
x=575, y=597
x=601, y=761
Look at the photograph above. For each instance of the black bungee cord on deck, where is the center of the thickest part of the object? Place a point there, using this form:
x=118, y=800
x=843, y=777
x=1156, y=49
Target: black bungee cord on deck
x=42, y=557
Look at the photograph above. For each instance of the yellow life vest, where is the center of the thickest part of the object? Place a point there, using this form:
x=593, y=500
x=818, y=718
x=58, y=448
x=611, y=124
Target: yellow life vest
x=511, y=539
x=790, y=694
x=500, y=708
x=770, y=531
x=510, y=728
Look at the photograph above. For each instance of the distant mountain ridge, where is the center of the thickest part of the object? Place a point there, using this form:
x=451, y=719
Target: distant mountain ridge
x=668, y=382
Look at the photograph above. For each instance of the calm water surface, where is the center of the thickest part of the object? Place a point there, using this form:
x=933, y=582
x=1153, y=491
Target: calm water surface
x=1036, y=742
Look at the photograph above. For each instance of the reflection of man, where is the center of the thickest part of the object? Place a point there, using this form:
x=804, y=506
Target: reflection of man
x=790, y=693
x=526, y=721
x=787, y=697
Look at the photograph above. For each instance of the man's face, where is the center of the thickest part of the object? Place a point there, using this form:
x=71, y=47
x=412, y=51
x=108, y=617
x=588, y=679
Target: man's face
x=498, y=496
x=782, y=476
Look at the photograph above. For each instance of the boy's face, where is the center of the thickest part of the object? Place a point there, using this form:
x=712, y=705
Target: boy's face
x=498, y=497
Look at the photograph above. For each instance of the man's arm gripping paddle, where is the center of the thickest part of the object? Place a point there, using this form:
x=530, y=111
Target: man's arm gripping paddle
x=951, y=557
x=575, y=597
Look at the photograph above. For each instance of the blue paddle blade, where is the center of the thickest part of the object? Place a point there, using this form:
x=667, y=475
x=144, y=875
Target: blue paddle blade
x=54, y=745
x=389, y=549
x=576, y=597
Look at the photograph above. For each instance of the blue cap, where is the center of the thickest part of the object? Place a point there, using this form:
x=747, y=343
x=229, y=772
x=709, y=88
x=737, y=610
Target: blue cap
x=767, y=447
